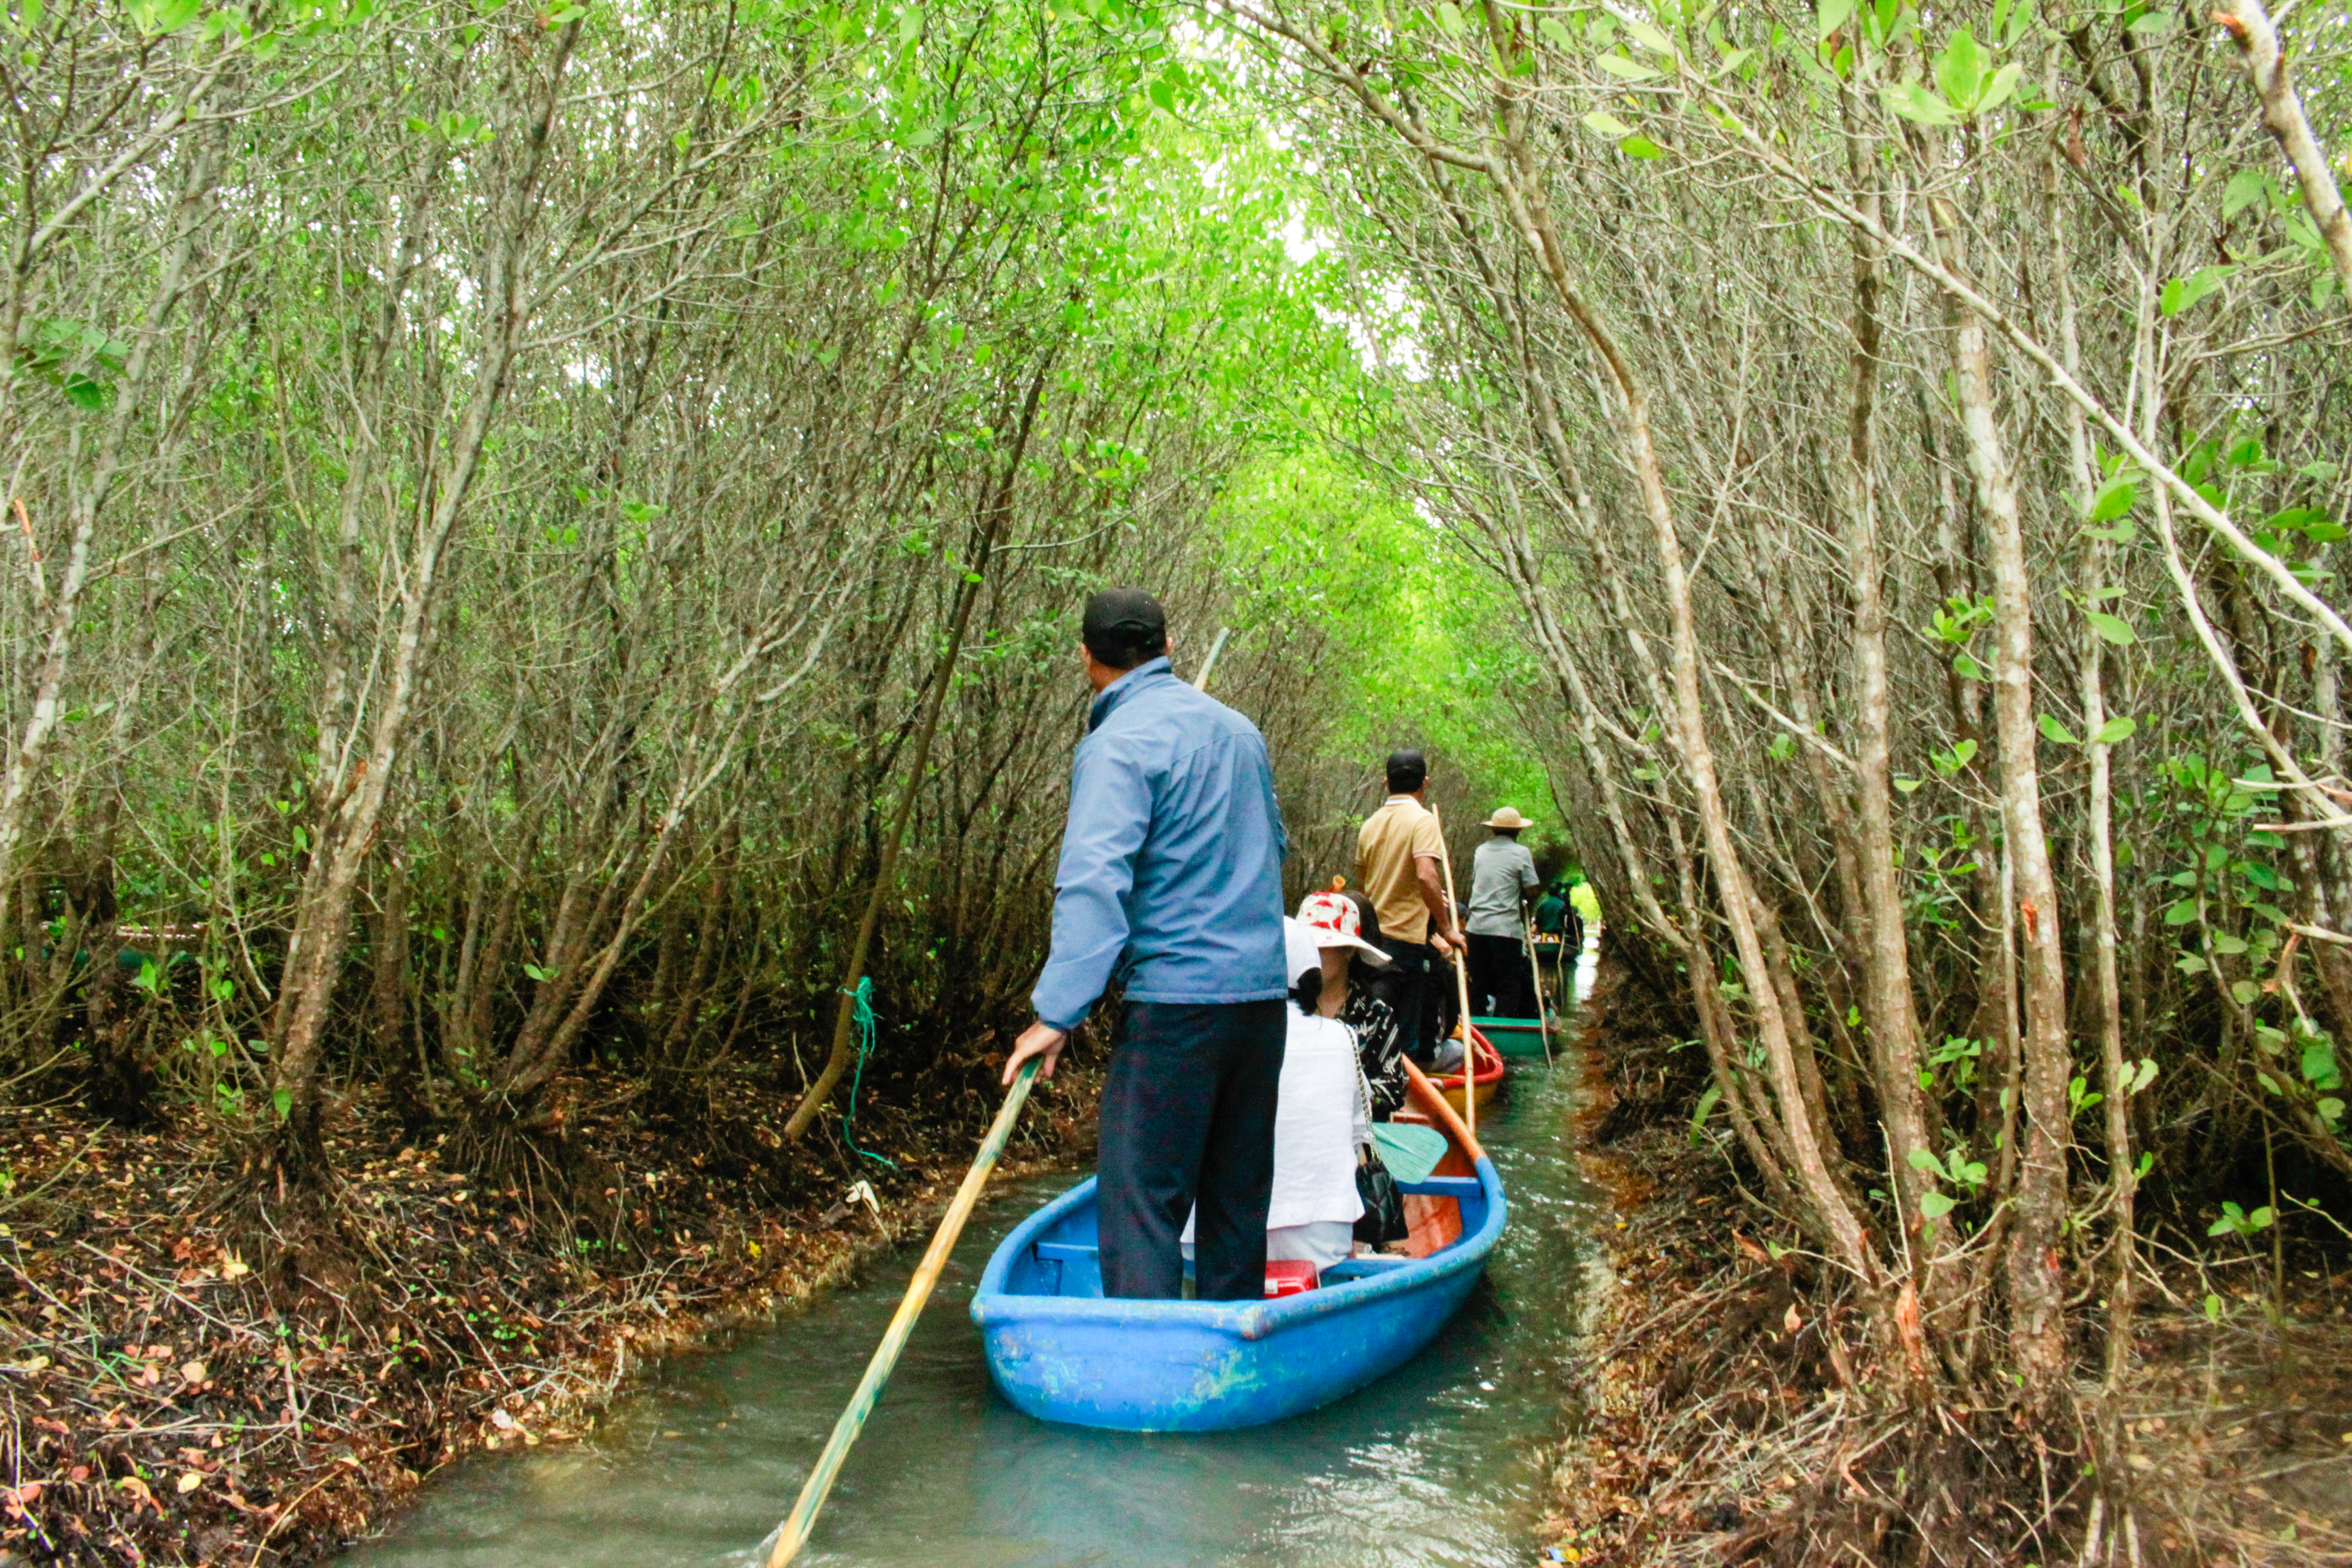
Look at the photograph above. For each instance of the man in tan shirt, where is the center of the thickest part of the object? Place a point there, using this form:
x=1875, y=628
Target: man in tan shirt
x=1398, y=867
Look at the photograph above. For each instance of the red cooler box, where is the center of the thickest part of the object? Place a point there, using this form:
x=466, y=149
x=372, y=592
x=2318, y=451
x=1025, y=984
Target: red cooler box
x=1289, y=1275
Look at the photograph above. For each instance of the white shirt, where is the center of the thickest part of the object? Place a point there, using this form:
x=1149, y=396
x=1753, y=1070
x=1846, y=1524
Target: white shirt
x=1315, y=1126
x=1320, y=1119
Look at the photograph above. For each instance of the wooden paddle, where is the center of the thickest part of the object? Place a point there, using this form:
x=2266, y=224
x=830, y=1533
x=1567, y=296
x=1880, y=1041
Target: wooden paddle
x=1209, y=665
x=1462, y=988
x=1543, y=1014
x=793, y=1533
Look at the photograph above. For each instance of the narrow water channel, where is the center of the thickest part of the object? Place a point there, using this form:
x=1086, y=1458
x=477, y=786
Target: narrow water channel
x=1431, y=1467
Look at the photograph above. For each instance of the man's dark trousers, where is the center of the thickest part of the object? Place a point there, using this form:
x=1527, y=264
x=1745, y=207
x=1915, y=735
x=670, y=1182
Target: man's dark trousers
x=1499, y=976
x=1406, y=986
x=1186, y=1118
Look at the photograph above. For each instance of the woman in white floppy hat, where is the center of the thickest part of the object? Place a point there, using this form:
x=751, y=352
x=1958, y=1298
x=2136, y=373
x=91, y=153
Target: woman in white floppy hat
x=1323, y=1113
x=1343, y=927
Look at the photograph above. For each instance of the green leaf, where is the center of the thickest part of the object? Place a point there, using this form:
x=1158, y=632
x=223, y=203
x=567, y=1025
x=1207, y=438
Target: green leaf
x=1557, y=37
x=163, y=16
x=1640, y=146
x=283, y=1100
x=1923, y=1161
x=1649, y=37
x=2116, y=731
x=1912, y=101
x=1705, y=1108
x=1934, y=1205
x=1449, y=17
x=2115, y=629
x=1618, y=66
x=2055, y=732
x=1959, y=71
x=2145, y=1076
x=1608, y=124
x=1996, y=92
x=2212, y=1308
x=2115, y=498
x=2181, y=913
x=2246, y=187
x=2182, y=292
x=1829, y=18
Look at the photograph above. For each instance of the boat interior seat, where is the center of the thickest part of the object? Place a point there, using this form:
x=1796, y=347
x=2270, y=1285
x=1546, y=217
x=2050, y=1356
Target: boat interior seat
x=1076, y=1268
x=1073, y=1268
x=1444, y=1187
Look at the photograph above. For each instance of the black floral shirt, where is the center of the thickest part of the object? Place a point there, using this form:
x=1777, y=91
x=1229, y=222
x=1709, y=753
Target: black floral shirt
x=1379, y=1049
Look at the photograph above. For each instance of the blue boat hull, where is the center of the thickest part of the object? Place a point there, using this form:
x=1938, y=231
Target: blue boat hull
x=1059, y=1352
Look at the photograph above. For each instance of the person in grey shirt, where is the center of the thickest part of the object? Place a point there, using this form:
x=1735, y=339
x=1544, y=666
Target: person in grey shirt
x=1502, y=874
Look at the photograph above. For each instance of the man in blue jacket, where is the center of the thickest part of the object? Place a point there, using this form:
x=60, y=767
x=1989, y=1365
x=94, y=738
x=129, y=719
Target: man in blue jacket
x=1170, y=885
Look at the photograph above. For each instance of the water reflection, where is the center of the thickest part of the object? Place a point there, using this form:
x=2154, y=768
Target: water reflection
x=1428, y=1469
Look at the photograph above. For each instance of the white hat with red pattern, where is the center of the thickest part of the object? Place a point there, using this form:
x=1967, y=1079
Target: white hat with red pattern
x=1332, y=921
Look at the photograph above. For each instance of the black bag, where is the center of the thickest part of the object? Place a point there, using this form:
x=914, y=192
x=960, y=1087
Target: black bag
x=1382, y=1220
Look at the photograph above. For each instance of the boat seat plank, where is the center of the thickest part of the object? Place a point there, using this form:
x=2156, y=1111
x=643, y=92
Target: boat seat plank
x=1443, y=1188
x=1071, y=1268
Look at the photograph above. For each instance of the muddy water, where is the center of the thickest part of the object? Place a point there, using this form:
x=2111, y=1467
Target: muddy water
x=1431, y=1466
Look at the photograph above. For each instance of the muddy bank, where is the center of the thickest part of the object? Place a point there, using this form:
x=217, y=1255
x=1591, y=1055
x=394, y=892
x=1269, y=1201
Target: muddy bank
x=1728, y=1408
x=182, y=1388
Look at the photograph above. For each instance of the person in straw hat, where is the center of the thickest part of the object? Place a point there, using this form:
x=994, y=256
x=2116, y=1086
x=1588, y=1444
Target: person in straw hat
x=1502, y=876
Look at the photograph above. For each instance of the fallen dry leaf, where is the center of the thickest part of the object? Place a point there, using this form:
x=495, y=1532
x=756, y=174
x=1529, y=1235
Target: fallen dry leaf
x=190, y=1481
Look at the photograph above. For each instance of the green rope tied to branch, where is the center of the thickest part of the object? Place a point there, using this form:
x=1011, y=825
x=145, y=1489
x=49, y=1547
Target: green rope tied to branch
x=862, y=1013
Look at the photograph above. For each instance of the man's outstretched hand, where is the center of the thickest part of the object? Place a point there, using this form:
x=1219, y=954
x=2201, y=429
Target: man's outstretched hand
x=1041, y=1040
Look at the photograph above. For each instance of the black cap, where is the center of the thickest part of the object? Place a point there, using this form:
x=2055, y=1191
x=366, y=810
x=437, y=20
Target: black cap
x=1124, y=623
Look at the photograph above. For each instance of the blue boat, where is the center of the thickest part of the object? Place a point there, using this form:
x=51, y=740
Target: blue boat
x=1060, y=1351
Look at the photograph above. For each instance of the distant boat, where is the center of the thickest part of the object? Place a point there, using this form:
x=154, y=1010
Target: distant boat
x=1513, y=1037
x=1060, y=1351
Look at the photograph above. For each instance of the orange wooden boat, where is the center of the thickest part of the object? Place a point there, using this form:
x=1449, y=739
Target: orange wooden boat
x=1491, y=1070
